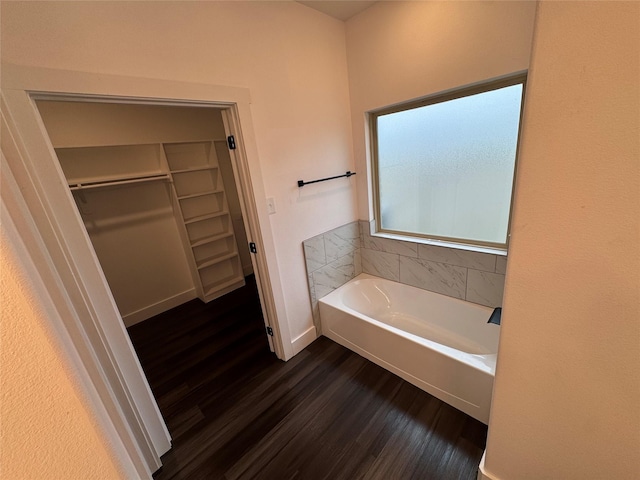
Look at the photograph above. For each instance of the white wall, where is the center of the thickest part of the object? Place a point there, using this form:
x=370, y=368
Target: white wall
x=567, y=392
x=398, y=51
x=47, y=430
x=292, y=58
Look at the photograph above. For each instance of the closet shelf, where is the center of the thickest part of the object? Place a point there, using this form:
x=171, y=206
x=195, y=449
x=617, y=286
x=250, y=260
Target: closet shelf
x=115, y=181
x=195, y=169
x=200, y=194
x=227, y=282
x=207, y=262
x=211, y=239
x=198, y=186
x=205, y=217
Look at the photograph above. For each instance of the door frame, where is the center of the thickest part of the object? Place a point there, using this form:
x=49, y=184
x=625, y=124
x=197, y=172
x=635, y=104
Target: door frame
x=90, y=324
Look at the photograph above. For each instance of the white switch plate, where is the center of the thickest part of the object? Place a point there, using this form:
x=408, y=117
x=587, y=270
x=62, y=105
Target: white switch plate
x=271, y=205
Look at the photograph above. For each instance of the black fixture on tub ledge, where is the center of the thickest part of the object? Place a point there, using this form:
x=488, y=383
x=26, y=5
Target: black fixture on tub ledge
x=495, y=316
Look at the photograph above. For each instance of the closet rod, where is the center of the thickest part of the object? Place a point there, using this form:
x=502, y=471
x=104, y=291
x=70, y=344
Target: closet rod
x=113, y=183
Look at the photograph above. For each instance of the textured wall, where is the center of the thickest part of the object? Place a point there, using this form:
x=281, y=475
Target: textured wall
x=45, y=430
x=567, y=393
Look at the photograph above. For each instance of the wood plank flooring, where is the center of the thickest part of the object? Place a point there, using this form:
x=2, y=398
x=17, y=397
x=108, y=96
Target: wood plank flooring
x=235, y=411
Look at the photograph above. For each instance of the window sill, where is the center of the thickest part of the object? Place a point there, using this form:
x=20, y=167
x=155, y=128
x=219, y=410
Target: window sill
x=443, y=243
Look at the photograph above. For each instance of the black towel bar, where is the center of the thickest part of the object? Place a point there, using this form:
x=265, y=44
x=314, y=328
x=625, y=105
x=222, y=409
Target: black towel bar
x=302, y=183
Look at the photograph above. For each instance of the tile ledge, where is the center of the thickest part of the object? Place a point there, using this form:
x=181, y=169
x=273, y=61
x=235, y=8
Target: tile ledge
x=442, y=243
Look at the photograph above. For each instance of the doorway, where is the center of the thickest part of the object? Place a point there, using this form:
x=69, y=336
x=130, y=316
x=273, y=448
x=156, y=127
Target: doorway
x=157, y=189
x=84, y=319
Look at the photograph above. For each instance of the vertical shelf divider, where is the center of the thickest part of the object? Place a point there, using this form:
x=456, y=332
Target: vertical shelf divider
x=177, y=213
x=202, y=213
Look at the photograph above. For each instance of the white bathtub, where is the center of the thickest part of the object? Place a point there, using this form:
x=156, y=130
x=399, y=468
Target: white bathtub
x=440, y=344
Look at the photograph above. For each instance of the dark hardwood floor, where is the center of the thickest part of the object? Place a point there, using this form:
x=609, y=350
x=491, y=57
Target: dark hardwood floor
x=237, y=412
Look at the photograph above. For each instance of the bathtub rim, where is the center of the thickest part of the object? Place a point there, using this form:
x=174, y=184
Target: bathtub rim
x=484, y=363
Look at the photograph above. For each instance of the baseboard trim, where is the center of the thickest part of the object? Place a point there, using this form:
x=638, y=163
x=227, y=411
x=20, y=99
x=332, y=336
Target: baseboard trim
x=303, y=341
x=158, y=307
x=482, y=474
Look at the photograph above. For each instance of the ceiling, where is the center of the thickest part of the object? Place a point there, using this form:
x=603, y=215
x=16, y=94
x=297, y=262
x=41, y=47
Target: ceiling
x=342, y=10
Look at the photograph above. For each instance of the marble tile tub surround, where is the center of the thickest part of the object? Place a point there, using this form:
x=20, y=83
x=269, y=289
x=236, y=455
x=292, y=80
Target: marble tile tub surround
x=335, y=257
x=473, y=276
x=332, y=259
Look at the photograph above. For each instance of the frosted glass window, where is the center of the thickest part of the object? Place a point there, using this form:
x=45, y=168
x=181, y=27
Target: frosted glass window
x=445, y=170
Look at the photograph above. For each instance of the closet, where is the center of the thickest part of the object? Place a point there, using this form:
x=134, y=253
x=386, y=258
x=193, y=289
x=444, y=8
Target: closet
x=155, y=189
